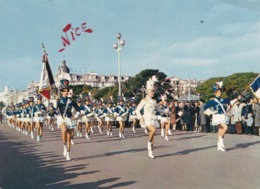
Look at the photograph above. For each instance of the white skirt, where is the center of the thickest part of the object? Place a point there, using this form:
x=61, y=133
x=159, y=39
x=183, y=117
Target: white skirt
x=165, y=119
x=132, y=118
x=87, y=119
x=70, y=124
x=218, y=119
x=119, y=118
x=150, y=120
x=39, y=119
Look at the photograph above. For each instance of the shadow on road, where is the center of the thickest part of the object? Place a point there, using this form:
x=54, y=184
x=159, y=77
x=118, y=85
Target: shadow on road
x=22, y=165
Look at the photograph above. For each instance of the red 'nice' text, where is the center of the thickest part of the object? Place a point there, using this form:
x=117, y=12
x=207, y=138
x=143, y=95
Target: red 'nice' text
x=71, y=33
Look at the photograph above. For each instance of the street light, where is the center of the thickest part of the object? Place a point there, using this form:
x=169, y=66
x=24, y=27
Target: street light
x=118, y=46
x=143, y=90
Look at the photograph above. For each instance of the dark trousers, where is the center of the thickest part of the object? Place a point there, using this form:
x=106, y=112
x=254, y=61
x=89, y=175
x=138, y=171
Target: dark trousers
x=248, y=130
x=232, y=129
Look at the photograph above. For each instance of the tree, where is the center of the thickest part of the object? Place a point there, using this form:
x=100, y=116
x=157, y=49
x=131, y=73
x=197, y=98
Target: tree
x=235, y=84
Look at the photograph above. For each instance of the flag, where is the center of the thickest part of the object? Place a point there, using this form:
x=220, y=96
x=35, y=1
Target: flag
x=47, y=83
x=255, y=86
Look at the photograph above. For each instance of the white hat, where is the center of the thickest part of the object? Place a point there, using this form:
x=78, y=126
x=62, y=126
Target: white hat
x=150, y=83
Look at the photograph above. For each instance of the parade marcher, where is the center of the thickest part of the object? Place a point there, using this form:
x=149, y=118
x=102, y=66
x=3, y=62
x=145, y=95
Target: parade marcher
x=26, y=126
x=132, y=115
x=165, y=119
x=80, y=120
x=148, y=119
x=51, y=116
x=29, y=115
x=109, y=111
x=100, y=115
x=121, y=113
x=219, y=113
x=39, y=112
x=88, y=117
x=66, y=122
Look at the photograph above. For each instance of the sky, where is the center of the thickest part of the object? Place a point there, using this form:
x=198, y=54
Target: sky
x=188, y=39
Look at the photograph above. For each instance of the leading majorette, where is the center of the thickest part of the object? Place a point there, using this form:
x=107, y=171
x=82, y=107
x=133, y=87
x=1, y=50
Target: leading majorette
x=66, y=121
x=218, y=113
x=149, y=119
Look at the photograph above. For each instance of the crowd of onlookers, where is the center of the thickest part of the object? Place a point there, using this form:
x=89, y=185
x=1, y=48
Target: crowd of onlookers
x=243, y=117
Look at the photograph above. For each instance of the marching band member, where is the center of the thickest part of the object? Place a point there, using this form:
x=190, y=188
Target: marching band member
x=29, y=115
x=88, y=117
x=39, y=110
x=165, y=121
x=219, y=114
x=121, y=112
x=79, y=121
x=51, y=114
x=149, y=119
x=10, y=116
x=132, y=115
x=65, y=120
x=18, y=117
x=25, y=124
x=109, y=111
x=100, y=115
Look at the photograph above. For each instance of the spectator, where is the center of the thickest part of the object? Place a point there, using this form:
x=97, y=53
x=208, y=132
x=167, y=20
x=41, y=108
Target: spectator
x=257, y=115
x=202, y=117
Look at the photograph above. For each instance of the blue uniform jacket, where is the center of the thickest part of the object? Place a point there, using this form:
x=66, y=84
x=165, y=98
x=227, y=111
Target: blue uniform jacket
x=213, y=103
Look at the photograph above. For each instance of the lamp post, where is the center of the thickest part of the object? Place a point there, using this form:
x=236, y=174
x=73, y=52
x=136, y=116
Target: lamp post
x=118, y=46
x=143, y=90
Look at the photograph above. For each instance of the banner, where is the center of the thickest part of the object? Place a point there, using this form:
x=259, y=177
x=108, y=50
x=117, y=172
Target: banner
x=46, y=81
x=255, y=87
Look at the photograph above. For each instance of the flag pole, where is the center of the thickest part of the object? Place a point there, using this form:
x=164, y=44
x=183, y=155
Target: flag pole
x=242, y=94
x=45, y=61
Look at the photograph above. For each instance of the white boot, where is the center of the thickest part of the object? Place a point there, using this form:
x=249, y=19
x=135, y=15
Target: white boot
x=72, y=142
x=220, y=148
x=111, y=134
x=32, y=135
x=134, y=130
x=65, y=150
x=150, y=150
x=169, y=132
x=87, y=137
x=120, y=135
x=150, y=154
x=80, y=134
x=107, y=133
x=68, y=156
x=162, y=132
x=166, y=138
x=221, y=142
x=145, y=130
x=149, y=146
x=38, y=138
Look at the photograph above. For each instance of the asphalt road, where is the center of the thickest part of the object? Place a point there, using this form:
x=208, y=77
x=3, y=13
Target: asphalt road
x=188, y=161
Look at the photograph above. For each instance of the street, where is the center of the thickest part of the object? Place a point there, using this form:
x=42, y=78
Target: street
x=188, y=160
